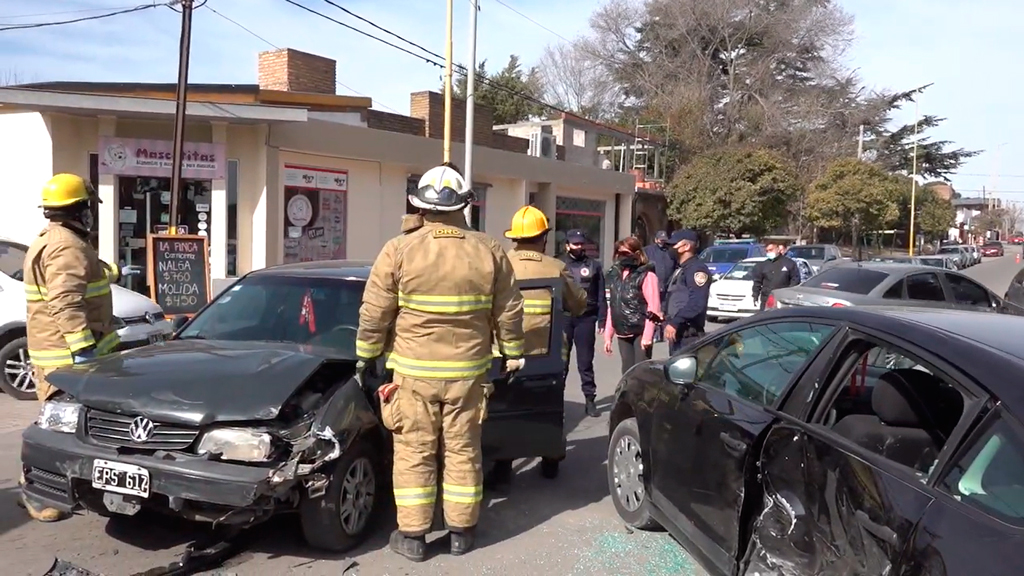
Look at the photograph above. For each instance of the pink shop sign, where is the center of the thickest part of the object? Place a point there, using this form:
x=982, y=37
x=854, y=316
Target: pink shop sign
x=131, y=157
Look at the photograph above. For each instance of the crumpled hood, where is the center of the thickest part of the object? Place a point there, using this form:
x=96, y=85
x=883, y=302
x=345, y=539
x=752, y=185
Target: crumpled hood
x=194, y=382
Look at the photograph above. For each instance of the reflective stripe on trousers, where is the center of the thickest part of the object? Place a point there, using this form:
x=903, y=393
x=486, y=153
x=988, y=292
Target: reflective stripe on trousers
x=439, y=369
x=429, y=409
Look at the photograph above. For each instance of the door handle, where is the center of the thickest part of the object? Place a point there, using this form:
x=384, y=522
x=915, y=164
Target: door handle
x=876, y=529
x=734, y=446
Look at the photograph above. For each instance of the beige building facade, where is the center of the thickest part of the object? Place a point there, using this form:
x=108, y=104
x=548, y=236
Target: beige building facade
x=272, y=175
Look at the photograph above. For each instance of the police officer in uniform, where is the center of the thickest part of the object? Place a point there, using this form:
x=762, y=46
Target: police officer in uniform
x=581, y=331
x=688, y=290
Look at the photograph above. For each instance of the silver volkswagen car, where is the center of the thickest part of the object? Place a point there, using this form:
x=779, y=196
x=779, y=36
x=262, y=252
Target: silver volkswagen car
x=139, y=320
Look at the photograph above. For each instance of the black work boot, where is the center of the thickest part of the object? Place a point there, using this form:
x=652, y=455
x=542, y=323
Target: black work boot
x=591, y=407
x=412, y=547
x=500, y=476
x=463, y=540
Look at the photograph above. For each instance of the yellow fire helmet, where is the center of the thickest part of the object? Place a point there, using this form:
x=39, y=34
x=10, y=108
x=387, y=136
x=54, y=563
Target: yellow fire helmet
x=66, y=189
x=528, y=222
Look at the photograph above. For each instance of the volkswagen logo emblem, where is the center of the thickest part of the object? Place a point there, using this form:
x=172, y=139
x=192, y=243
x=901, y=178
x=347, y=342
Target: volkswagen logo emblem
x=150, y=318
x=141, y=430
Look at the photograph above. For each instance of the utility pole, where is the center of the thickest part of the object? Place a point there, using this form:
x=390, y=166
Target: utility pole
x=860, y=144
x=912, y=238
x=470, y=104
x=448, y=85
x=181, y=99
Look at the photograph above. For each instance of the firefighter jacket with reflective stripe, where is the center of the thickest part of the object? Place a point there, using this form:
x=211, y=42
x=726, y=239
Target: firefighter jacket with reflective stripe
x=529, y=265
x=435, y=295
x=68, y=296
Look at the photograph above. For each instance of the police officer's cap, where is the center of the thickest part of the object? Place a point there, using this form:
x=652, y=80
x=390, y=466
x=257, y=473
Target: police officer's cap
x=661, y=235
x=684, y=234
x=575, y=236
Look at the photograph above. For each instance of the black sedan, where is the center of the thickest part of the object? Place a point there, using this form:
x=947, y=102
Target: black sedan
x=834, y=441
x=252, y=408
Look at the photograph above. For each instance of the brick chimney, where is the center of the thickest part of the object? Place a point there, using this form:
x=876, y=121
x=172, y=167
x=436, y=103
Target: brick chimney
x=429, y=107
x=290, y=70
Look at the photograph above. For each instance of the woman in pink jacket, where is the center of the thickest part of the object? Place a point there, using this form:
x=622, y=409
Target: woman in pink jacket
x=634, y=303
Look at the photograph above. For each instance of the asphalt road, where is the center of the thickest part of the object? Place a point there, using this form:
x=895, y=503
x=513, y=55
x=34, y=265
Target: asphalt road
x=566, y=526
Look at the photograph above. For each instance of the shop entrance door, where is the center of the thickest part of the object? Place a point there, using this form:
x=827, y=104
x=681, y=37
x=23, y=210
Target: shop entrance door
x=145, y=208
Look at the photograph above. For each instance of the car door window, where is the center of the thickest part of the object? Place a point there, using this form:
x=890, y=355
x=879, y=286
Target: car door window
x=990, y=475
x=925, y=287
x=12, y=260
x=895, y=292
x=758, y=363
x=889, y=403
x=968, y=292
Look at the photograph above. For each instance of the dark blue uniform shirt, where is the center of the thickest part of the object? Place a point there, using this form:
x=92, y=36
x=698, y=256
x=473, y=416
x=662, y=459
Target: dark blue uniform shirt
x=588, y=274
x=688, y=292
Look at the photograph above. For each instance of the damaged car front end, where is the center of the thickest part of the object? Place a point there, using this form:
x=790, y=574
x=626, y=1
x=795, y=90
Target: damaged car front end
x=247, y=431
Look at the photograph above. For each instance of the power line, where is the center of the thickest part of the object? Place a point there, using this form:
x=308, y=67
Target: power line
x=62, y=12
x=86, y=18
x=276, y=47
x=989, y=175
x=532, y=20
x=483, y=80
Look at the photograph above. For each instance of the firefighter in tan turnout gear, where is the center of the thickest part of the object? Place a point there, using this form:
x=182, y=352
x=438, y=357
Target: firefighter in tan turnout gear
x=67, y=289
x=529, y=231
x=435, y=296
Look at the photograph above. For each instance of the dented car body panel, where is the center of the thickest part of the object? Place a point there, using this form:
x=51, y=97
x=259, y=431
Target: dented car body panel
x=768, y=488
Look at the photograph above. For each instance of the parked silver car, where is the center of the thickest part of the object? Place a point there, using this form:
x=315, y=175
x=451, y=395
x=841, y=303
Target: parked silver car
x=959, y=254
x=139, y=320
x=867, y=284
x=943, y=261
x=817, y=255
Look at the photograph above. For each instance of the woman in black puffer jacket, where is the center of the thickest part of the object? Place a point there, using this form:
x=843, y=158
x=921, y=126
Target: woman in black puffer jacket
x=634, y=304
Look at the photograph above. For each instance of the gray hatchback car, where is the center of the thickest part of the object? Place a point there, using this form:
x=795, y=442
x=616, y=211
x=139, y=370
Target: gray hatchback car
x=879, y=284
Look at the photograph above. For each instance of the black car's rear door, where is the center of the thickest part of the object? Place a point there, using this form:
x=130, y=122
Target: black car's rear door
x=525, y=412
x=704, y=468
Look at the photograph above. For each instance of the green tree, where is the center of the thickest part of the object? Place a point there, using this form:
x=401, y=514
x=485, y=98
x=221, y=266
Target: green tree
x=734, y=191
x=504, y=91
x=934, y=215
x=854, y=196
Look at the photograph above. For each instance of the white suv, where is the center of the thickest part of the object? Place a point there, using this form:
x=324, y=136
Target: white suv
x=140, y=322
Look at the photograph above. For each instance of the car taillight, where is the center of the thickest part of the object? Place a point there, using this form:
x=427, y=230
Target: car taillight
x=838, y=305
x=770, y=303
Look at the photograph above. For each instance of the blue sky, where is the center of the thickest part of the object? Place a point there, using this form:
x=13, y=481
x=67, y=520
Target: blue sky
x=964, y=48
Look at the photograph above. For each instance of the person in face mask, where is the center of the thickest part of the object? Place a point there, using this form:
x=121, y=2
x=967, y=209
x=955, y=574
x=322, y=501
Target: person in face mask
x=581, y=331
x=69, y=307
x=661, y=254
x=634, y=307
x=778, y=271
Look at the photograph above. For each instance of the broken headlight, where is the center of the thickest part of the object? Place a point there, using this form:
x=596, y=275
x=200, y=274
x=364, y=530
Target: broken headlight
x=238, y=444
x=59, y=416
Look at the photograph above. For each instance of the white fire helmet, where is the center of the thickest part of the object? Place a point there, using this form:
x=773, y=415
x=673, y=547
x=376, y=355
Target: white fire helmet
x=441, y=189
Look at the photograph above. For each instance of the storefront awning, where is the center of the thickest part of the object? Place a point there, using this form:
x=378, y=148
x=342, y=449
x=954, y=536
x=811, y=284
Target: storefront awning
x=20, y=99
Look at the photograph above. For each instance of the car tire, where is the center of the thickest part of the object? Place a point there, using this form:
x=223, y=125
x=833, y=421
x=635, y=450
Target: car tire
x=549, y=468
x=625, y=477
x=354, y=487
x=17, y=367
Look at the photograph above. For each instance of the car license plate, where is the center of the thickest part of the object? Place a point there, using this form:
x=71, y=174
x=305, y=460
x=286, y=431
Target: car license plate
x=728, y=307
x=120, y=478
x=154, y=338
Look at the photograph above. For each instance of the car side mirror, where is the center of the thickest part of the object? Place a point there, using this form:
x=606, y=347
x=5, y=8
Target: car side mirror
x=829, y=258
x=681, y=370
x=177, y=322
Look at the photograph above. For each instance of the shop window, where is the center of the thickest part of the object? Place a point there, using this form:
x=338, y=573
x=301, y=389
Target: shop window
x=94, y=179
x=232, y=194
x=315, y=216
x=477, y=217
x=586, y=215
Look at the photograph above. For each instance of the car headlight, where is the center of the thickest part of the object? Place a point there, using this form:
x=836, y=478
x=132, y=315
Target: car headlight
x=59, y=416
x=239, y=444
x=118, y=323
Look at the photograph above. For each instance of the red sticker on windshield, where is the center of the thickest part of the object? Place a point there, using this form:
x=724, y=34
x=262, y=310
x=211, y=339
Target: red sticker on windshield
x=306, y=314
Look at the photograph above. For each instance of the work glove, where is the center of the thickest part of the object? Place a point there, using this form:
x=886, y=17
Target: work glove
x=513, y=365
x=365, y=369
x=84, y=355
